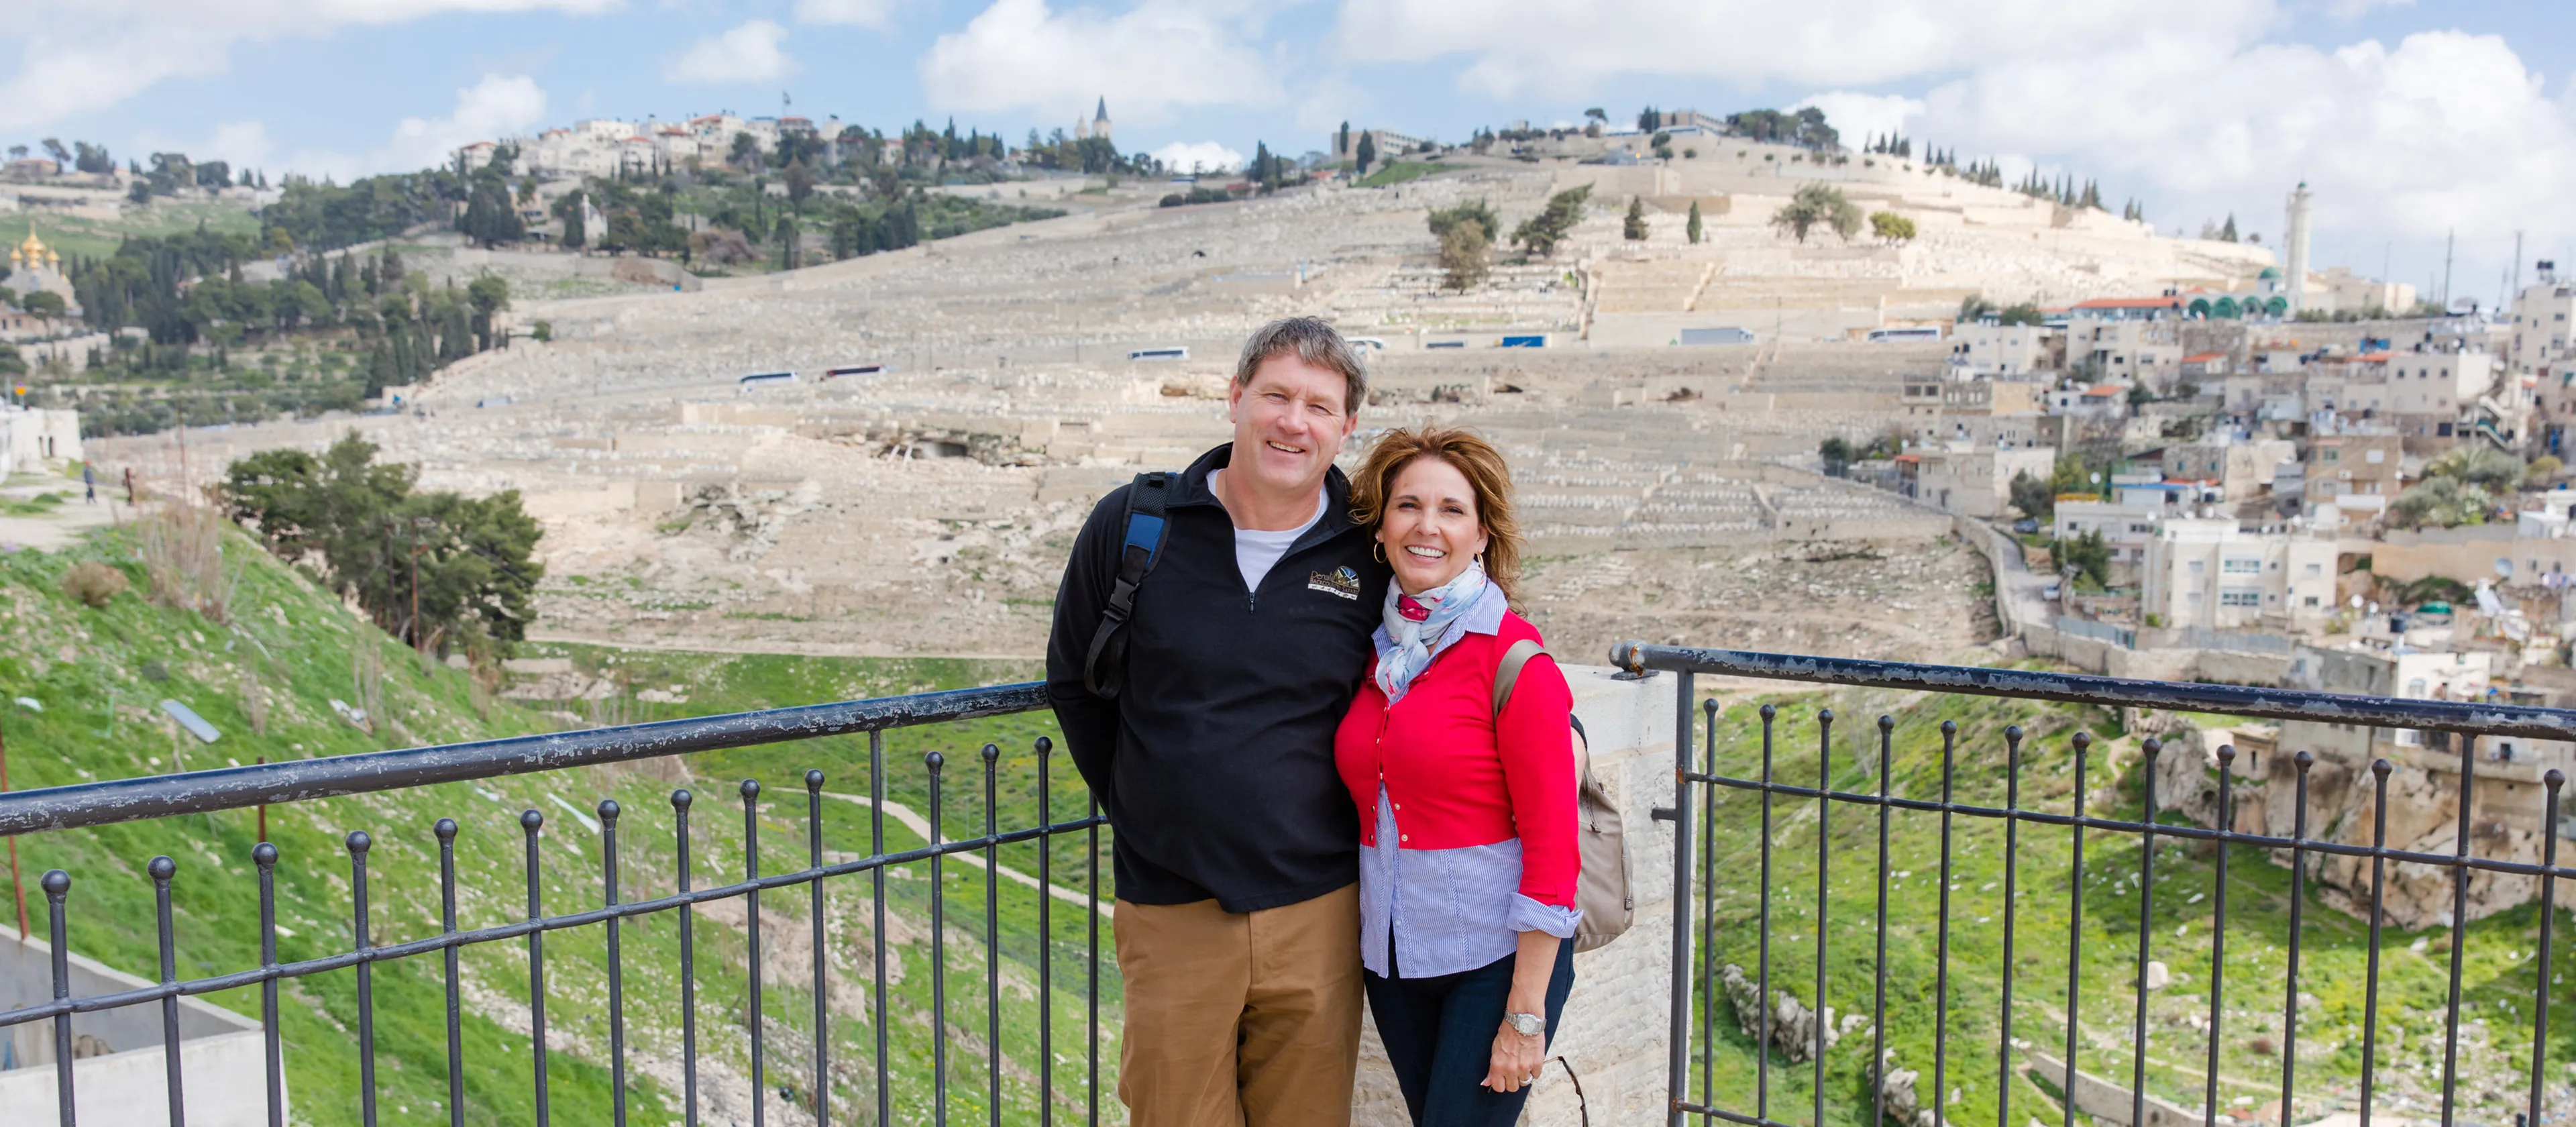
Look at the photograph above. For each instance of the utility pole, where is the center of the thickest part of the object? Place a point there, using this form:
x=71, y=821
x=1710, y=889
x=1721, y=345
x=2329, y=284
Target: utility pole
x=2450, y=242
x=2514, y=287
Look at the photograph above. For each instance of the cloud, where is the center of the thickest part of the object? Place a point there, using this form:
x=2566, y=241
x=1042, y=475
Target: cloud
x=2198, y=105
x=1153, y=58
x=876, y=14
x=1519, y=46
x=1198, y=156
x=489, y=110
x=747, y=53
x=85, y=57
x=1859, y=117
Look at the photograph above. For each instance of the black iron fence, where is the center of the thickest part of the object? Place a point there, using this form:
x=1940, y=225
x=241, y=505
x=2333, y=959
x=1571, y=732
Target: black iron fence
x=125, y=800
x=1766, y=808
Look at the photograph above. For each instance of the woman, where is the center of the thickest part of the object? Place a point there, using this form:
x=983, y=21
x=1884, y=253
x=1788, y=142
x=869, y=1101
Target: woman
x=1468, y=854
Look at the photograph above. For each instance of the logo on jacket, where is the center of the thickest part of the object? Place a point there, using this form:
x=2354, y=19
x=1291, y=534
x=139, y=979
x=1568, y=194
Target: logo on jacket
x=1343, y=582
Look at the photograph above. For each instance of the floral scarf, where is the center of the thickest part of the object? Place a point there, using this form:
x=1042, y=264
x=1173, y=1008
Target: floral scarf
x=1415, y=623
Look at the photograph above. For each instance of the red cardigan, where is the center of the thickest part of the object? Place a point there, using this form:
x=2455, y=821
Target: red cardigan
x=1451, y=781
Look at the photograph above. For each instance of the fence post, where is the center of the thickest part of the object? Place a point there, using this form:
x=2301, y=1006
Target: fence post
x=1677, y=1074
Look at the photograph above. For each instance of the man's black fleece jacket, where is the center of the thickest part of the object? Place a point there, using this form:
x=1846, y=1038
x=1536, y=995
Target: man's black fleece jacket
x=1215, y=763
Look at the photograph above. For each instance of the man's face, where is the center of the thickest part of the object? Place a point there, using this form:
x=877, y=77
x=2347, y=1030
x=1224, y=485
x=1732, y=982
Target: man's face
x=1290, y=421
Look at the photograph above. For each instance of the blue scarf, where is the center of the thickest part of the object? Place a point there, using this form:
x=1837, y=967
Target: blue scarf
x=1414, y=625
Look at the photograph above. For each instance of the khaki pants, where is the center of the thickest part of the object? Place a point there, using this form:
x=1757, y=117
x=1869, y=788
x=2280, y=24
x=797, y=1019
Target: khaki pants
x=1240, y=1020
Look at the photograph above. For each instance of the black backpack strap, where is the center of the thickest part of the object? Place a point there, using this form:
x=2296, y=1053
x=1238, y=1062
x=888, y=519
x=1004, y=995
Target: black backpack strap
x=1104, y=669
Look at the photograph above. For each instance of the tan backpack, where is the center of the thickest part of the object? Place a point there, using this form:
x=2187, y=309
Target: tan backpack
x=1602, y=891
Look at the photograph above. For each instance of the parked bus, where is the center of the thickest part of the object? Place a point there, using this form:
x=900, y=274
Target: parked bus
x=1372, y=343
x=1525, y=340
x=855, y=370
x=762, y=379
x=1159, y=354
x=1717, y=336
x=1927, y=332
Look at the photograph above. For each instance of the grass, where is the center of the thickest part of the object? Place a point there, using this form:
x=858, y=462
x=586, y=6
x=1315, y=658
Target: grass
x=70, y=235
x=2497, y=963
x=1401, y=171
x=93, y=671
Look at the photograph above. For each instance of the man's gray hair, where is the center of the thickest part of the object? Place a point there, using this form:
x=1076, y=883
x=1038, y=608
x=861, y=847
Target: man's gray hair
x=1313, y=341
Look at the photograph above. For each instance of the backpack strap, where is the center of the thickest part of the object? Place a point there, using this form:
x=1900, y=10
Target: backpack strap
x=1508, y=673
x=1104, y=668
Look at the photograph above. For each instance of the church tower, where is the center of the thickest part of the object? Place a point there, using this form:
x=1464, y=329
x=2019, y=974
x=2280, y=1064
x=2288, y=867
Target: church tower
x=1100, y=120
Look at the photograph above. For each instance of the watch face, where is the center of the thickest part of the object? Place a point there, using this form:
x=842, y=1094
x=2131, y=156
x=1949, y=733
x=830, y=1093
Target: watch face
x=1527, y=1025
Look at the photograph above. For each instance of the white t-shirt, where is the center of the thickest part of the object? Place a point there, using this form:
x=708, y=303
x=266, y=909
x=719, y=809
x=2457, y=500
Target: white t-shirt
x=1255, y=550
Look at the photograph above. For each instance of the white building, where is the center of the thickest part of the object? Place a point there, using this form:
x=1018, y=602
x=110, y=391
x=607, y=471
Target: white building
x=2125, y=525
x=2124, y=348
x=2543, y=317
x=36, y=440
x=1973, y=482
x=2437, y=383
x=2238, y=469
x=2210, y=573
x=2001, y=350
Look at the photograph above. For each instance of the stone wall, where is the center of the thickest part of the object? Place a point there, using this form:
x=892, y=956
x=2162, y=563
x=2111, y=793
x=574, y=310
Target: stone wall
x=1615, y=1025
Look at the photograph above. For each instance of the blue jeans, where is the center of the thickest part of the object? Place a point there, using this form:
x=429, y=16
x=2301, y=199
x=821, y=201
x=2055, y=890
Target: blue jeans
x=1439, y=1035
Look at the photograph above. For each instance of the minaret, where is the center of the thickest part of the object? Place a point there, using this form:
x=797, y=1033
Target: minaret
x=2297, y=268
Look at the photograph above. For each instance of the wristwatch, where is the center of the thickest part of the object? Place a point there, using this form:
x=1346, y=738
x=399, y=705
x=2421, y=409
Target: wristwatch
x=1527, y=1025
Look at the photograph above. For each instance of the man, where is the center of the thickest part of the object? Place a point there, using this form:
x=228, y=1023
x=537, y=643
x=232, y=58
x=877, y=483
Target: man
x=1210, y=745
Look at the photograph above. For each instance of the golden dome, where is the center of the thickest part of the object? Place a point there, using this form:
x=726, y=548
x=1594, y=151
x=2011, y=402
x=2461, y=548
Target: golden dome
x=33, y=252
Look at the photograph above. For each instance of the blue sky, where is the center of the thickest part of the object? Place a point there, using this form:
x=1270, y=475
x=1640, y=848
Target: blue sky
x=2412, y=119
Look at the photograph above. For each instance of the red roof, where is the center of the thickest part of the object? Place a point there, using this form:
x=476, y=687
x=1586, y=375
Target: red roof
x=2105, y=391
x=2203, y=357
x=1909, y=458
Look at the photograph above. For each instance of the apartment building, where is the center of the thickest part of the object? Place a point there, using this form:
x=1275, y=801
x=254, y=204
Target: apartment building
x=2211, y=573
x=2006, y=350
x=1972, y=482
x=2238, y=469
x=2368, y=465
x=2542, y=319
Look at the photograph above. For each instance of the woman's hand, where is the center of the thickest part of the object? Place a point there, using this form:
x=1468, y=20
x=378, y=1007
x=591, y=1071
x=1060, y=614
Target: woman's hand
x=1516, y=1058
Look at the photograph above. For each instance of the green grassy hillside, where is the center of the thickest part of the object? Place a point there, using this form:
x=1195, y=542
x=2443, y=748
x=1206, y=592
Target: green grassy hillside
x=285, y=651
x=2498, y=972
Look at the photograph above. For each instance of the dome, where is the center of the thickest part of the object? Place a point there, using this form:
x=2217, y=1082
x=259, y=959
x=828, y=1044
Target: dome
x=2269, y=273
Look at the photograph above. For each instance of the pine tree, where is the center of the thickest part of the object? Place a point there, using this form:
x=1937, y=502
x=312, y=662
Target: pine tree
x=1634, y=227
x=1693, y=230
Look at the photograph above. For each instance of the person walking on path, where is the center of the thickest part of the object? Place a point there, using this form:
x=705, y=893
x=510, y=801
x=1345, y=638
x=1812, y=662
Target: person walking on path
x=1209, y=633
x=89, y=485
x=1459, y=756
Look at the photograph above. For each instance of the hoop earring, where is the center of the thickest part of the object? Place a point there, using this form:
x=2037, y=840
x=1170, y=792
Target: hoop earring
x=1377, y=550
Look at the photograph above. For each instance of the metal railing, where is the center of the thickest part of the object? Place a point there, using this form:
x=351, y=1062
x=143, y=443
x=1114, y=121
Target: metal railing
x=1701, y=801
x=102, y=803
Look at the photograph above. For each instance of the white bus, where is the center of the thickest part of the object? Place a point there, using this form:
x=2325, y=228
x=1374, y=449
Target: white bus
x=1371, y=343
x=1927, y=332
x=1159, y=354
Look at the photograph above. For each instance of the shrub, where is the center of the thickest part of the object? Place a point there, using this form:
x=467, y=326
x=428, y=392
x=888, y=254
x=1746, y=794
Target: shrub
x=183, y=554
x=94, y=583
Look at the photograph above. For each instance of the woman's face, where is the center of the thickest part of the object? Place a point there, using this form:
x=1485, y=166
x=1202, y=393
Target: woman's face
x=1431, y=529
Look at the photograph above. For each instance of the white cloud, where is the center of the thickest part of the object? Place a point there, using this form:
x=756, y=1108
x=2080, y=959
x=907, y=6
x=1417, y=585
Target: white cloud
x=2194, y=104
x=84, y=57
x=1859, y=117
x=749, y=52
x=491, y=109
x=1518, y=46
x=1148, y=60
x=1198, y=157
x=876, y=14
